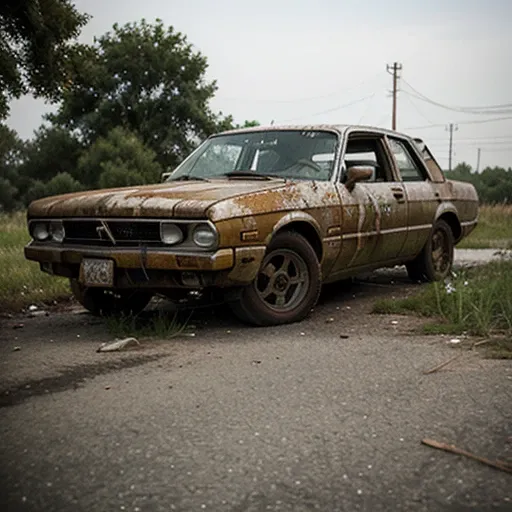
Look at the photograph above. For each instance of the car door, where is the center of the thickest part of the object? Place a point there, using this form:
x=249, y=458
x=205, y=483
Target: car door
x=375, y=212
x=421, y=194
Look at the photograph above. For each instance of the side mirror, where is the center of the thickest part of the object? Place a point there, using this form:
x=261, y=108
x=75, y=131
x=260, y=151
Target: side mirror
x=165, y=175
x=355, y=174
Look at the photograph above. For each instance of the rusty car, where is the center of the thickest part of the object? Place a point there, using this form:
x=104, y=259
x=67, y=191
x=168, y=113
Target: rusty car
x=262, y=216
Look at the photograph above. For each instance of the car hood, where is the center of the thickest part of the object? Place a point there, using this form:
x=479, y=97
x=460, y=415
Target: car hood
x=195, y=199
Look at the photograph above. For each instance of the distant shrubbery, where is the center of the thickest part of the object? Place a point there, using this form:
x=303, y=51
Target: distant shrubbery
x=493, y=184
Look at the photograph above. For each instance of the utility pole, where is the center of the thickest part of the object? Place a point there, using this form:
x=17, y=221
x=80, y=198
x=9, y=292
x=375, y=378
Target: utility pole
x=478, y=160
x=451, y=128
x=394, y=70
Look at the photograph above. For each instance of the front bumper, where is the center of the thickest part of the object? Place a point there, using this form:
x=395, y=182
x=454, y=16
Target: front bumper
x=155, y=267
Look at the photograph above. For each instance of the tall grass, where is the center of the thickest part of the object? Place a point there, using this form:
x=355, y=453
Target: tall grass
x=477, y=301
x=21, y=281
x=494, y=229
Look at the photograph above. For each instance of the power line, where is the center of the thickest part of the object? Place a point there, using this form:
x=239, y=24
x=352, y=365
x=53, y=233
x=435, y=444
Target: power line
x=505, y=137
x=417, y=109
x=479, y=121
x=310, y=98
x=490, y=109
x=330, y=110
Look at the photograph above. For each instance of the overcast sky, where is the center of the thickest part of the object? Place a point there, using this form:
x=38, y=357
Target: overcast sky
x=304, y=61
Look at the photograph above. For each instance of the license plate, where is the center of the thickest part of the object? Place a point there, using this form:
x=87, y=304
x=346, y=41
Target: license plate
x=96, y=272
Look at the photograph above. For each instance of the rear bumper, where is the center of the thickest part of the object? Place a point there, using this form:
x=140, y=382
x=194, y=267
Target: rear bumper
x=155, y=267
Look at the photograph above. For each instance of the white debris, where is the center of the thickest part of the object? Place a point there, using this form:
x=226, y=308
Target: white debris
x=455, y=341
x=32, y=308
x=394, y=322
x=118, y=345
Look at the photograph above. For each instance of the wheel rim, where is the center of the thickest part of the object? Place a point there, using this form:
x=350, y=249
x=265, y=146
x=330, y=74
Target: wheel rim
x=440, y=251
x=283, y=281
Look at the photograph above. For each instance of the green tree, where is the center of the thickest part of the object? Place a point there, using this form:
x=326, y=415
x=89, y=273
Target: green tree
x=149, y=80
x=119, y=159
x=62, y=183
x=11, y=154
x=35, y=47
x=52, y=151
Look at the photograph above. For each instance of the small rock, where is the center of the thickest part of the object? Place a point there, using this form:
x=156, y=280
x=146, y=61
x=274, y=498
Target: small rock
x=455, y=341
x=118, y=345
x=32, y=308
x=303, y=334
x=348, y=307
x=329, y=320
x=344, y=336
x=394, y=322
x=256, y=362
x=35, y=314
x=18, y=326
x=16, y=349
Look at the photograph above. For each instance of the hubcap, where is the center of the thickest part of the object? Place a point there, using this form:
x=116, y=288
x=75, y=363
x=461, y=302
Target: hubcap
x=283, y=281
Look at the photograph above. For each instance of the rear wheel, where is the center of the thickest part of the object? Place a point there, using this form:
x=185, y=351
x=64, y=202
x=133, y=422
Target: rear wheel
x=435, y=260
x=287, y=285
x=110, y=302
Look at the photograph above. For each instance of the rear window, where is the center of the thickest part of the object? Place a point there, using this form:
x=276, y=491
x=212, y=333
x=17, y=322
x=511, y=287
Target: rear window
x=433, y=167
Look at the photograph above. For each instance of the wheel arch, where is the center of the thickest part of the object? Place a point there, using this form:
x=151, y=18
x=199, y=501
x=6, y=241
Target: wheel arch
x=451, y=218
x=305, y=226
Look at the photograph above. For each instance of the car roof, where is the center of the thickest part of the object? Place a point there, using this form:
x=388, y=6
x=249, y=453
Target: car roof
x=340, y=129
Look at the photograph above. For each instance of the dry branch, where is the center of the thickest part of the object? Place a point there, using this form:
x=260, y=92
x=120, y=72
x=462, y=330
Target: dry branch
x=458, y=451
x=442, y=365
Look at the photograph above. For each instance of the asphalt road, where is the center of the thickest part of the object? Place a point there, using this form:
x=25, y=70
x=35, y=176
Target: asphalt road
x=323, y=415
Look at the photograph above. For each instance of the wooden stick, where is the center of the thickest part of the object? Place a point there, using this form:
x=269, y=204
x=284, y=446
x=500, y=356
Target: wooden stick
x=442, y=365
x=453, y=449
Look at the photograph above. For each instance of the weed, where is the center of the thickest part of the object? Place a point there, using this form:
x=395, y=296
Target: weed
x=494, y=229
x=157, y=325
x=21, y=281
x=477, y=301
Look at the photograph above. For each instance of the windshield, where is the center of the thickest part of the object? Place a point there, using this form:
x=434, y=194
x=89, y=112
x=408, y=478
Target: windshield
x=291, y=154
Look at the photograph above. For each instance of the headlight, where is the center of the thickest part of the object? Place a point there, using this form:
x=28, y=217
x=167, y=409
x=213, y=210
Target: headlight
x=204, y=236
x=40, y=231
x=57, y=231
x=170, y=234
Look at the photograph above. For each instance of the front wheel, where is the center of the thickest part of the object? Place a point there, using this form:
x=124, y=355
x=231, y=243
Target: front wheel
x=435, y=261
x=108, y=302
x=287, y=286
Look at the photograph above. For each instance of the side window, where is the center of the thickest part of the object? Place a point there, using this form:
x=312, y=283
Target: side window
x=408, y=169
x=367, y=152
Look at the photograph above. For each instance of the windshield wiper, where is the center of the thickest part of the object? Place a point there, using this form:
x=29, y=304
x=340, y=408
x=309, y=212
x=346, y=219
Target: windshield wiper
x=187, y=177
x=250, y=174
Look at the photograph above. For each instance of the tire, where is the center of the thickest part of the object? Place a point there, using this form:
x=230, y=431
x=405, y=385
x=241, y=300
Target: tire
x=435, y=260
x=110, y=302
x=287, y=286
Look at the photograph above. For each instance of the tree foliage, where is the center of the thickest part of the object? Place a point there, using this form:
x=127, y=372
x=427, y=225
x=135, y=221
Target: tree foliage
x=35, y=47
x=493, y=184
x=147, y=79
x=131, y=105
x=119, y=159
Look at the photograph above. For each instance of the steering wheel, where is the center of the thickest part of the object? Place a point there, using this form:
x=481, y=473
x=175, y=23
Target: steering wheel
x=310, y=164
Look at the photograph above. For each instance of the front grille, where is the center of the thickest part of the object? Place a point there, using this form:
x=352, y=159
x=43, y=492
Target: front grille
x=124, y=232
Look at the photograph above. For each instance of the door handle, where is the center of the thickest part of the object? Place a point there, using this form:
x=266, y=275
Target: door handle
x=398, y=193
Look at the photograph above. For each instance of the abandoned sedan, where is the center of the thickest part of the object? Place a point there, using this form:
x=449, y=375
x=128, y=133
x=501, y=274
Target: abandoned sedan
x=264, y=216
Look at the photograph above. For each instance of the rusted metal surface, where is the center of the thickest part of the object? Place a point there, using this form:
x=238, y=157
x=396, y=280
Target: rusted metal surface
x=369, y=225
